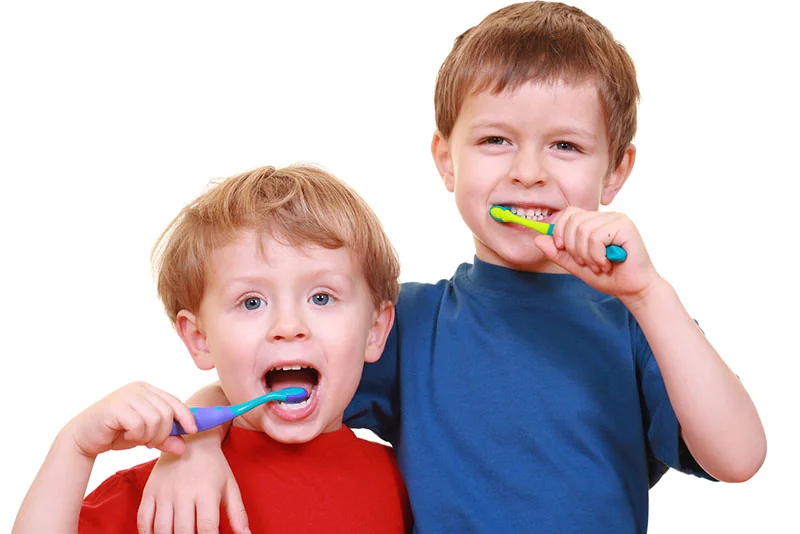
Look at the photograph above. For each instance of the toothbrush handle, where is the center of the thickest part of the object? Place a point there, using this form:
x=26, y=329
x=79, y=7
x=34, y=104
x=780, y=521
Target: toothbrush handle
x=206, y=418
x=616, y=253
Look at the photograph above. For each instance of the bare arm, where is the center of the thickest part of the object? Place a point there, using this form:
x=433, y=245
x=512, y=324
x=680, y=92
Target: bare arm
x=719, y=421
x=54, y=499
x=137, y=414
x=174, y=497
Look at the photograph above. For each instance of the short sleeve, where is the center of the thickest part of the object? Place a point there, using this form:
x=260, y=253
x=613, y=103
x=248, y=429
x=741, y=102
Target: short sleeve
x=665, y=446
x=375, y=404
x=114, y=504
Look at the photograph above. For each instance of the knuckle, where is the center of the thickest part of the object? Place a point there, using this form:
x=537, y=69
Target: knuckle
x=207, y=525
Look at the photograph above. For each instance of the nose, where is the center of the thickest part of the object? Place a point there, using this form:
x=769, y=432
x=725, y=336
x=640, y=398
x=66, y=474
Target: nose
x=527, y=168
x=287, y=324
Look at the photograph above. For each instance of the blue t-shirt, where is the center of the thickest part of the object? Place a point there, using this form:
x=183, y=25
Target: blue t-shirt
x=526, y=402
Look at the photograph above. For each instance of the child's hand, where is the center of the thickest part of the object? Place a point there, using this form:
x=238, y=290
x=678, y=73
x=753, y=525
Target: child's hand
x=186, y=494
x=136, y=414
x=578, y=245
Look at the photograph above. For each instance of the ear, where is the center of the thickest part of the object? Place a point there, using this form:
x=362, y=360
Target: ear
x=379, y=332
x=616, y=178
x=440, y=148
x=191, y=332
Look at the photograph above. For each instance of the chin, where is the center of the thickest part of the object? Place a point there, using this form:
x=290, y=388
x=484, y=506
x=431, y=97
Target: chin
x=520, y=258
x=293, y=433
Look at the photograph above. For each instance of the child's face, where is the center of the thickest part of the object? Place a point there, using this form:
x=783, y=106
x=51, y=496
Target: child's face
x=538, y=149
x=287, y=317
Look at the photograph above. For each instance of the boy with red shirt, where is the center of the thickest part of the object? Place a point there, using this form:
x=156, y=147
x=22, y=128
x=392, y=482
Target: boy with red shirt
x=276, y=278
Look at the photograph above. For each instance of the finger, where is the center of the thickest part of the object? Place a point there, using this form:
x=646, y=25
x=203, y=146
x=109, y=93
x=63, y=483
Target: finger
x=560, y=225
x=138, y=416
x=572, y=237
x=547, y=245
x=179, y=411
x=164, y=424
x=207, y=516
x=130, y=422
x=163, y=520
x=150, y=415
x=604, y=236
x=234, y=508
x=144, y=517
x=562, y=258
x=184, y=517
x=590, y=241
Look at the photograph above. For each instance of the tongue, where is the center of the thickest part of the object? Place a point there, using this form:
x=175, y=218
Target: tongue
x=304, y=378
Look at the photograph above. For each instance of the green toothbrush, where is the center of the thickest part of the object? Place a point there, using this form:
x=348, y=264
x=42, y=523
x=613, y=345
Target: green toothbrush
x=614, y=253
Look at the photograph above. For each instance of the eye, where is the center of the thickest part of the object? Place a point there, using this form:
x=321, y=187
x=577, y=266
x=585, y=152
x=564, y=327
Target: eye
x=495, y=140
x=253, y=303
x=321, y=299
x=564, y=145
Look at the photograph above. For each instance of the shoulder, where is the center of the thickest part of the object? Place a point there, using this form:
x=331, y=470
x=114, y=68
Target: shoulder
x=414, y=291
x=373, y=448
x=378, y=460
x=373, y=452
x=128, y=481
x=416, y=295
x=115, y=502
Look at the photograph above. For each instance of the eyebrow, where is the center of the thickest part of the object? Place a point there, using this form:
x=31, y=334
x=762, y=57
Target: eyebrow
x=489, y=124
x=580, y=132
x=322, y=276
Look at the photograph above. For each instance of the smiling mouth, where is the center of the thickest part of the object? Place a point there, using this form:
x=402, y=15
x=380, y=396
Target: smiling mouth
x=297, y=376
x=532, y=214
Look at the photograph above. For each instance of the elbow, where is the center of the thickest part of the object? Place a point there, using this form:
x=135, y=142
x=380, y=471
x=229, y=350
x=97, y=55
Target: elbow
x=744, y=467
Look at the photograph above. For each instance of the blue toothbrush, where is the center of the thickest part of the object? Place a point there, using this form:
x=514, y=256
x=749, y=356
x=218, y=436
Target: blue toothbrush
x=614, y=253
x=216, y=415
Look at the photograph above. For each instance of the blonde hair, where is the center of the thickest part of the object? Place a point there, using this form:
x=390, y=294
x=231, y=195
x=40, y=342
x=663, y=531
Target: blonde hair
x=542, y=42
x=299, y=204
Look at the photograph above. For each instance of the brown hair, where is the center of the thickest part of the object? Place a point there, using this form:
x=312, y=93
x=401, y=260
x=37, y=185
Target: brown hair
x=299, y=204
x=543, y=42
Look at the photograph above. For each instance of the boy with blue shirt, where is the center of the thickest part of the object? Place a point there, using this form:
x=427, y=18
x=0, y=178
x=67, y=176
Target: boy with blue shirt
x=542, y=387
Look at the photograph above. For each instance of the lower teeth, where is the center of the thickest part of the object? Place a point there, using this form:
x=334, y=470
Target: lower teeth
x=295, y=404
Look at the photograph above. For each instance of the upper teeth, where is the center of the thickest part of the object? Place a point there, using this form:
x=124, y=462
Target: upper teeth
x=536, y=214
x=291, y=368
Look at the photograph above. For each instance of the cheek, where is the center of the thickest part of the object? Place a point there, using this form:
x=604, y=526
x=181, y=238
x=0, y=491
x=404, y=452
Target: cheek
x=344, y=337
x=582, y=187
x=238, y=345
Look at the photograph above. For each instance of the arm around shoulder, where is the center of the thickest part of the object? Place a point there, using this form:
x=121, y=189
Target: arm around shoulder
x=174, y=495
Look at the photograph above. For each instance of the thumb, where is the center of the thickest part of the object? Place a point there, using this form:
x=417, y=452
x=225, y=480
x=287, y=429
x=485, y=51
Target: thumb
x=234, y=508
x=547, y=245
x=562, y=258
x=172, y=445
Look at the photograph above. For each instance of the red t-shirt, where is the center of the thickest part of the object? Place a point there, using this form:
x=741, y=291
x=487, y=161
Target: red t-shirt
x=335, y=483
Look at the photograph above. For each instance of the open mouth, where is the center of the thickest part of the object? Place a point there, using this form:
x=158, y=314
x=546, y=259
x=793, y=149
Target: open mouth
x=297, y=376
x=532, y=214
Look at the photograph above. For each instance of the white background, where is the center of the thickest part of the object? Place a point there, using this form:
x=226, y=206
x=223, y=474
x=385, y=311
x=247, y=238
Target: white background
x=114, y=116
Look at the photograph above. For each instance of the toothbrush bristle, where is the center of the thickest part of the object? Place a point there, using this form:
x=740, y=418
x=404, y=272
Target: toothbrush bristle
x=498, y=213
x=298, y=396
